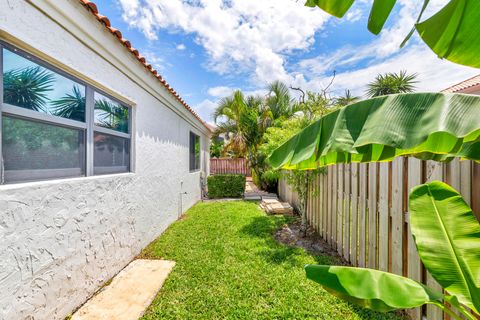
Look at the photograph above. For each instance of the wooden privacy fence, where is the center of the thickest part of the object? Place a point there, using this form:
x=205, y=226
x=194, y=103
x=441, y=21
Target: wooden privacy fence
x=361, y=210
x=229, y=165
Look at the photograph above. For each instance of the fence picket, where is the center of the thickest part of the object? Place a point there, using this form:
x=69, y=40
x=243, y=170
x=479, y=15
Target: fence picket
x=397, y=216
x=434, y=171
x=372, y=215
x=334, y=206
x=354, y=214
x=318, y=222
x=340, y=209
x=362, y=216
x=329, y=205
x=347, y=219
x=384, y=217
x=325, y=206
x=414, y=263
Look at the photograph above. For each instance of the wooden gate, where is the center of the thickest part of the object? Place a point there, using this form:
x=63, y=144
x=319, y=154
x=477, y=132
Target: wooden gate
x=229, y=165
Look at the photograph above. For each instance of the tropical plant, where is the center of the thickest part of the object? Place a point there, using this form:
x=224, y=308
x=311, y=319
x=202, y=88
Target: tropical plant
x=216, y=148
x=428, y=126
x=279, y=101
x=27, y=88
x=315, y=105
x=447, y=236
x=230, y=110
x=111, y=115
x=346, y=99
x=448, y=32
x=71, y=106
x=391, y=83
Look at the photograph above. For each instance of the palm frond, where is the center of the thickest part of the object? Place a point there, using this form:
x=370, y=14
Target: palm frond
x=28, y=87
x=71, y=106
x=279, y=100
x=111, y=115
x=346, y=99
x=392, y=83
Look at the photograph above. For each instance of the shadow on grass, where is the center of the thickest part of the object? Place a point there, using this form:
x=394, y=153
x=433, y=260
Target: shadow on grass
x=264, y=228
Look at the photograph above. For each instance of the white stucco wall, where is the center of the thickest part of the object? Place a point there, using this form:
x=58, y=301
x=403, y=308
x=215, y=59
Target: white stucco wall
x=61, y=240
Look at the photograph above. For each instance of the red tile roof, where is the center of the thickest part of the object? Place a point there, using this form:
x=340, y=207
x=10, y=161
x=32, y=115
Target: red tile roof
x=465, y=86
x=92, y=7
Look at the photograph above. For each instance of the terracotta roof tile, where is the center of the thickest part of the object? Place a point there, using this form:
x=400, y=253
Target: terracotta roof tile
x=92, y=8
x=463, y=86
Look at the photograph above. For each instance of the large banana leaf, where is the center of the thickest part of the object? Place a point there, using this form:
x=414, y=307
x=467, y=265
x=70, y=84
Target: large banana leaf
x=373, y=289
x=378, y=16
x=453, y=34
x=336, y=8
x=433, y=126
x=447, y=236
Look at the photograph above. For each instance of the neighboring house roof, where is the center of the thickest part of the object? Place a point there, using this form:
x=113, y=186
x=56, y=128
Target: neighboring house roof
x=211, y=127
x=467, y=86
x=92, y=7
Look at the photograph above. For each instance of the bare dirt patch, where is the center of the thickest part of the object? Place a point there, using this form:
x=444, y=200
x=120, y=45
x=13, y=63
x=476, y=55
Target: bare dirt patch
x=291, y=235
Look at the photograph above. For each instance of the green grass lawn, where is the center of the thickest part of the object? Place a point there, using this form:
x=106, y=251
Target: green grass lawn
x=230, y=267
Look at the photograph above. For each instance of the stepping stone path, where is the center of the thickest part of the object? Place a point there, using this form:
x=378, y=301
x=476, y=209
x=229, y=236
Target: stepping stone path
x=269, y=201
x=129, y=294
x=273, y=206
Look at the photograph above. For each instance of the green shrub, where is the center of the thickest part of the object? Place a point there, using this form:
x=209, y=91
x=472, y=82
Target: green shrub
x=256, y=179
x=226, y=186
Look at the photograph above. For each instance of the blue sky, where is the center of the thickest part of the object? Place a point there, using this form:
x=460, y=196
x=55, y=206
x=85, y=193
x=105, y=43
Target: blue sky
x=207, y=48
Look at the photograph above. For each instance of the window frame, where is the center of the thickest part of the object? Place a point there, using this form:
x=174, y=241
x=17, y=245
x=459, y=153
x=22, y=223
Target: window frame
x=88, y=126
x=195, y=169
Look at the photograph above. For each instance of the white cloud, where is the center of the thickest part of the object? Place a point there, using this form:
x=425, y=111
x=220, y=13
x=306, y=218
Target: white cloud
x=383, y=55
x=157, y=62
x=260, y=38
x=181, y=47
x=238, y=35
x=205, y=110
x=221, y=91
x=433, y=74
x=354, y=15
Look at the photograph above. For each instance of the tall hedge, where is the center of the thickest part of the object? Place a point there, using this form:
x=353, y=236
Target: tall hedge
x=226, y=186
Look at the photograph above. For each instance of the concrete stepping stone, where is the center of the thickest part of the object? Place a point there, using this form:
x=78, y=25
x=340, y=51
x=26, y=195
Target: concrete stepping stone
x=252, y=197
x=129, y=294
x=269, y=196
x=273, y=206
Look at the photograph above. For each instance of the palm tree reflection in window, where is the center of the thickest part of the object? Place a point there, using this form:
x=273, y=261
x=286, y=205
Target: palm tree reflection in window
x=28, y=88
x=111, y=115
x=71, y=106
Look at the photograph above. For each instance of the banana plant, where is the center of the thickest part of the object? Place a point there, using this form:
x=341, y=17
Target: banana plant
x=447, y=236
x=428, y=126
x=450, y=33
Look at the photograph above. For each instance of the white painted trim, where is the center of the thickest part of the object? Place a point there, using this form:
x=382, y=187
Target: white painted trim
x=63, y=181
x=42, y=117
x=111, y=132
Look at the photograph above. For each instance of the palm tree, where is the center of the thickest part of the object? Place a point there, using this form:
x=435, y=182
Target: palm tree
x=111, y=115
x=71, y=106
x=279, y=101
x=231, y=109
x=346, y=99
x=27, y=88
x=391, y=83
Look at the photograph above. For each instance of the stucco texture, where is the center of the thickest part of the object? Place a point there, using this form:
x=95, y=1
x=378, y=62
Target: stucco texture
x=61, y=240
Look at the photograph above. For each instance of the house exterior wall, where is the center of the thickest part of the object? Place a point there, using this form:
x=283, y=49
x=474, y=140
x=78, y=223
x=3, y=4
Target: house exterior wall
x=62, y=239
